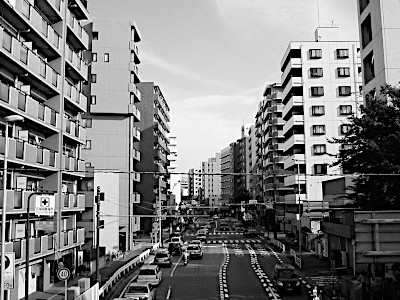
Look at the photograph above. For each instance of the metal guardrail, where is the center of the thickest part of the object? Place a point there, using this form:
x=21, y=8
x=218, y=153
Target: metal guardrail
x=297, y=260
x=124, y=269
x=278, y=244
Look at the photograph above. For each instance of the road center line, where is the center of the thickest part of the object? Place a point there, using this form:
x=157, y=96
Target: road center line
x=168, y=293
x=176, y=265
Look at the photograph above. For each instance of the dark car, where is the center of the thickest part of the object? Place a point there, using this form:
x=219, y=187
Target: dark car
x=285, y=278
x=252, y=233
x=163, y=258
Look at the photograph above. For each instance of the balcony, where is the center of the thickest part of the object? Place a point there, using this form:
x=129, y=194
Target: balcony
x=76, y=68
x=135, y=133
x=293, y=63
x=293, y=101
x=133, y=110
x=135, y=154
x=159, y=113
x=31, y=109
x=135, y=70
x=33, y=155
x=133, y=47
x=293, y=140
x=28, y=61
x=293, y=180
x=292, y=160
x=135, y=176
x=80, y=38
x=45, y=245
x=75, y=97
x=73, y=164
x=135, y=197
x=293, y=82
x=73, y=202
x=42, y=30
x=133, y=89
x=160, y=155
x=75, y=131
x=295, y=120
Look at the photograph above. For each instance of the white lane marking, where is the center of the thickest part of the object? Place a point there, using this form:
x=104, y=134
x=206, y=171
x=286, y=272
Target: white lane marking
x=176, y=265
x=169, y=292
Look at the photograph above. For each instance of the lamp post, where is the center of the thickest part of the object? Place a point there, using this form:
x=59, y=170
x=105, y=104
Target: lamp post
x=9, y=119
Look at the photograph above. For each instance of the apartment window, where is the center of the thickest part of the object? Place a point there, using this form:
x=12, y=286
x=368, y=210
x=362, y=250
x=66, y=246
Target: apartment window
x=363, y=5
x=318, y=129
x=345, y=110
x=342, y=53
x=26, y=9
x=95, y=35
x=93, y=100
x=366, y=31
x=318, y=110
x=315, y=53
x=93, y=78
x=94, y=57
x=319, y=149
x=23, y=57
x=88, y=145
x=106, y=57
x=344, y=90
x=320, y=169
x=344, y=128
x=343, y=72
x=317, y=91
x=369, y=67
x=316, y=72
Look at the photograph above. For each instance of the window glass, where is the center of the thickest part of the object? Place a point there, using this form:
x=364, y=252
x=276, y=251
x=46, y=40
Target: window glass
x=94, y=57
x=106, y=57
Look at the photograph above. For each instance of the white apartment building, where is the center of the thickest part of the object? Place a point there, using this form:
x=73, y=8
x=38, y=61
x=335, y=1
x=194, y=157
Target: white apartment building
x=321, y=82
x=212, y=183
x=251, y=161
x=175, y=179
x=195, y=183
x=379, y=26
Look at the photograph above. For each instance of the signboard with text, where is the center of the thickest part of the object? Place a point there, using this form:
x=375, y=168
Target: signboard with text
x=9, y=268
x=45, y=205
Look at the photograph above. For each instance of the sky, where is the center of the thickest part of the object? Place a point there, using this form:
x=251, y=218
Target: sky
x=213, y=58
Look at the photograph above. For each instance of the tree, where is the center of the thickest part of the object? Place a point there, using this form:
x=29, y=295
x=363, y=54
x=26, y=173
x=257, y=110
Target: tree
x=371, y=148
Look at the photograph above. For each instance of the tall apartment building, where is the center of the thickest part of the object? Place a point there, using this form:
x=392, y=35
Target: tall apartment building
x=111, y=123
x=174, y=179
x=252, y=162
x=227, y=168
x=154, y=127
x=379, y=27
x=321, y=82
x=195, y=183
x=212, y=183
x=240, y=166
x=42, y=76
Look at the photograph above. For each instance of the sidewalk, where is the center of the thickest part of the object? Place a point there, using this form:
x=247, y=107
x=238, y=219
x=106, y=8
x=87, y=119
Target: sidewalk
x=314, y=271
x=56, y=292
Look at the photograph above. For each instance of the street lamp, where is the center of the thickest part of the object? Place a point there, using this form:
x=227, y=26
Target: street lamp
x=9, y=119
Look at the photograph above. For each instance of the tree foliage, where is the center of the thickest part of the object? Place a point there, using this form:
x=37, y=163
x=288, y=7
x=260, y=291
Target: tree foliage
x=371, y=148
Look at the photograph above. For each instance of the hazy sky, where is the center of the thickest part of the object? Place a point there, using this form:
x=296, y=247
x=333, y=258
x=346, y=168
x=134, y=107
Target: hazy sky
x=213, y=58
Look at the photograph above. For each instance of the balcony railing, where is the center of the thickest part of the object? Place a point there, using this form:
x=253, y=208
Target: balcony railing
x=75, y=96
x=78, y=30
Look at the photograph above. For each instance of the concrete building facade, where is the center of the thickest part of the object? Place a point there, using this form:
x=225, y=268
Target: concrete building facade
x=154, y=128
x=43, y=71
x=379, y=27
x=321, y=82
x=175, y=182
x=212, y=183
x=195, y=184
x=113, y=134
x=227, y=168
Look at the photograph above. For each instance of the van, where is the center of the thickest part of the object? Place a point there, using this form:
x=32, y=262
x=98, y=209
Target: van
x=202, y=231
x=150, y=273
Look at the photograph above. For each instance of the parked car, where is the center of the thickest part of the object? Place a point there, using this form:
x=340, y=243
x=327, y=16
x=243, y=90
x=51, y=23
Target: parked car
x=202, y=231
x=150, y=273
x=197, y=242
x=285, y=278
x=163, y=258
x=140, y=290
x=252, y=233
x=195, y=251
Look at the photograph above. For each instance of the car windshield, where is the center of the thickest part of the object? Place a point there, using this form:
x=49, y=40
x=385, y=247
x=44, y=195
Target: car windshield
x=137, y=289
x=146, y=272
x=161, y=255
x=287, y=274
x=193, y=248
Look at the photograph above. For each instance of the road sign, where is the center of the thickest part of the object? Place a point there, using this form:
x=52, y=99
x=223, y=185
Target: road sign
x=45, y=205
x=47, y=226
x=252, y=201
x=63, y=273
x=8, y=278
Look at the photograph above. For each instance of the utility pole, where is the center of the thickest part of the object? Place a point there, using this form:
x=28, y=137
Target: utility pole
x=98, y=234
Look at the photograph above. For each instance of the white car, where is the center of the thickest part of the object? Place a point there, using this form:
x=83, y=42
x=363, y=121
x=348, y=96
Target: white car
x=197, y=242
x=140, y=290
x=195, y=251
x=150, y=273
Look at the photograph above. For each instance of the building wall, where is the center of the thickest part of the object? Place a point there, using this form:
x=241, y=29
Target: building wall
x=384, y=43
x=227, y=166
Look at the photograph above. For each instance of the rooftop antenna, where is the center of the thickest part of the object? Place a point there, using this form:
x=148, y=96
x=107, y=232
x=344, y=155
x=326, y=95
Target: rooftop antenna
x=318, y=12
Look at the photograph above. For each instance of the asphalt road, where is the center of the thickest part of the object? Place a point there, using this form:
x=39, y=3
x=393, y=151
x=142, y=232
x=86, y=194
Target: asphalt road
x=232, y=267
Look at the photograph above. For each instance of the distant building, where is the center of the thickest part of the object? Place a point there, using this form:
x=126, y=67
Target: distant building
x=175, y=179
x=212, y=183
x=227, y=168
x=195, y=179
x=321, y=81
x=252, y=162
x=379, y=27
x=154, y=126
